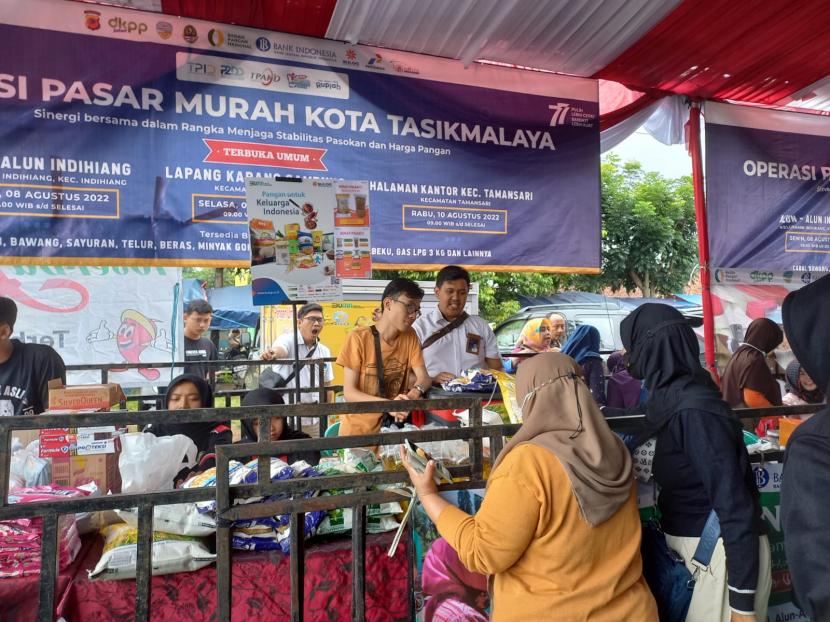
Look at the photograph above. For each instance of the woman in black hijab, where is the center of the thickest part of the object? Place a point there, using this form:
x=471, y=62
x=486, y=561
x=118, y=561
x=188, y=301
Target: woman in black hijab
x=747, y=380
x=805, y=489
x=801, y=389
x=700, y=464
x=280, y=430
x=192, y=391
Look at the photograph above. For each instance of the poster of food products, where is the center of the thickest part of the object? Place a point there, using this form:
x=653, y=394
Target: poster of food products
x=291, y=223
x=352, y=204
x=352, y=242
x=353, y=253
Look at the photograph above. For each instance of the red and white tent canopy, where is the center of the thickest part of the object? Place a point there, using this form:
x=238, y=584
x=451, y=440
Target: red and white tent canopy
x=767, y=52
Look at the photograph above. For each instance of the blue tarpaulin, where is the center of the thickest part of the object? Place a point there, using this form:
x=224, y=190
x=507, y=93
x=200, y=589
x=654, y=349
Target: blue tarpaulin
x=232, y=306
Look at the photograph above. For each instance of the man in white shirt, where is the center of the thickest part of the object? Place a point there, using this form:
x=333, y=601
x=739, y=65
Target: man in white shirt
x=309, y=325
x=452, y=340
x=557, y=330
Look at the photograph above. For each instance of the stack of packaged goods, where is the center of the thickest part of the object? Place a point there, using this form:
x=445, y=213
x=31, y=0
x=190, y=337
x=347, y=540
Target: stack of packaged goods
x=380, y=517
x=21, y=539
x=266, y=533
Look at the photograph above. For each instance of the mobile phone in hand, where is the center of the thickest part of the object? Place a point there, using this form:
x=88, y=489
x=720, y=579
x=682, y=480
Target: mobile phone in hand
x=419, y=459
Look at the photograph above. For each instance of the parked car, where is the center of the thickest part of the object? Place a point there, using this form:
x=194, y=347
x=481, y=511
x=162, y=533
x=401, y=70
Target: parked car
x=605, y=316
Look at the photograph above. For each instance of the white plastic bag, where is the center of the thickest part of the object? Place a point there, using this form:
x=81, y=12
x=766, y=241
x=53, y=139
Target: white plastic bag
x=26, y=467
x=148, y=463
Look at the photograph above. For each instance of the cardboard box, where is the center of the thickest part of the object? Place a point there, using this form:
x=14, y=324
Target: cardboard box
x=58, y=442
x=63, y=442
x=26, y=436
x=95, y=396
x=79, y=470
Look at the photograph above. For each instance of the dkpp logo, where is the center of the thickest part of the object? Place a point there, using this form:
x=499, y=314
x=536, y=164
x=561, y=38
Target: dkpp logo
x=760, y=276
x=119, y=24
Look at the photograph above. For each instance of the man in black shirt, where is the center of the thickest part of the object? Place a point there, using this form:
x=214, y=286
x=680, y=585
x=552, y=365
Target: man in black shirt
x=25, y=368
x=197, y=349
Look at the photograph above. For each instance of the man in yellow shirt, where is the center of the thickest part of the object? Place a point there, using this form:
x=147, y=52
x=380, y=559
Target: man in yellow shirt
x=377, y=360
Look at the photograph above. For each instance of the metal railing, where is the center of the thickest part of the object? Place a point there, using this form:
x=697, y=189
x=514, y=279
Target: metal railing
x=225, y=495
x=293, y=392
x=106, y=368
x=50, y=511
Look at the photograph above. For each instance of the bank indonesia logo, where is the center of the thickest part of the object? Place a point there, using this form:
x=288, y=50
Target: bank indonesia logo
x=263, y=44
x=558, y=113
x=761, y=477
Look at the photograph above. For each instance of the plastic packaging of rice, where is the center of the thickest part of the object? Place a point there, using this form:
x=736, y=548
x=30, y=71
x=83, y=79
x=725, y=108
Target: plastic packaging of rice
x=171, y=553
x=339, y=520
x=271, y=532
x=183, y=519
x=237, y=472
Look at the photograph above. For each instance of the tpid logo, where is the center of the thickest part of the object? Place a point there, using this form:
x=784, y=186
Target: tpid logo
x=266, y=77
x=201, y=69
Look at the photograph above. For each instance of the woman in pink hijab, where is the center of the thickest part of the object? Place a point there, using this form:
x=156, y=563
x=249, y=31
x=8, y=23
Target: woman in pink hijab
x=454, y=594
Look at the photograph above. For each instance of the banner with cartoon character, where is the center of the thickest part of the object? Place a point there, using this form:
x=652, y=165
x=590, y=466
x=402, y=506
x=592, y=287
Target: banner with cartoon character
x=128, y=136
x=100, y=315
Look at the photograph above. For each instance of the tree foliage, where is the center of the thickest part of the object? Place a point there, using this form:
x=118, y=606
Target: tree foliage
x=230, y=276
x=649, y=237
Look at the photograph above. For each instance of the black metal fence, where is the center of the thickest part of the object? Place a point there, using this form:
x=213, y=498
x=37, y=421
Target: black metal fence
x=292, y=392
x=225, y=495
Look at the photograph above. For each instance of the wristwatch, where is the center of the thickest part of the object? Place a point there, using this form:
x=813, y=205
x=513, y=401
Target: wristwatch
x=421, y=389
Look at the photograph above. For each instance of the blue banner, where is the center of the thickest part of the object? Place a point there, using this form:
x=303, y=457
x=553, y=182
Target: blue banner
x=128, y=136
x=767, y=189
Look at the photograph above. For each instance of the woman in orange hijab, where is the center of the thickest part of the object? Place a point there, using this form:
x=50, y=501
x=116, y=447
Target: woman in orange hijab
x=536, y=336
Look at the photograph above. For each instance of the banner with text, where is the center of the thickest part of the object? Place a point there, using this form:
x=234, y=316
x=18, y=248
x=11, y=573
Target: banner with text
x=100, y=315
x=767, y=189
x=142, y=159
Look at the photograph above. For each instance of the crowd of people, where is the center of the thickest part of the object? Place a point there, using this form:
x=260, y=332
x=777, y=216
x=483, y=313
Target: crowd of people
x=564, y=483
